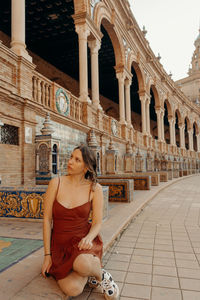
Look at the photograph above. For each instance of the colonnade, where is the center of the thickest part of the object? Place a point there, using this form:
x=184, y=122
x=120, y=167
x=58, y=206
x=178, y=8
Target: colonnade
x=87, y=37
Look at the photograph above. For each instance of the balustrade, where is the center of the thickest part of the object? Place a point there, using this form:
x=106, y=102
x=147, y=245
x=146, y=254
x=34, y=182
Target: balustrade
x=41, y=90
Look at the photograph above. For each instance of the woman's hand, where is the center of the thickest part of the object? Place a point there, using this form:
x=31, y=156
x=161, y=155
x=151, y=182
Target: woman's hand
x=85, y=243
x=46, y=265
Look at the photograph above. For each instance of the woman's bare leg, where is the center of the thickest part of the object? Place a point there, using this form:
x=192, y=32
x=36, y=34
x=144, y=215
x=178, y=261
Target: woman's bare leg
x=88, y=265
x=73, y=284
x=84, y=265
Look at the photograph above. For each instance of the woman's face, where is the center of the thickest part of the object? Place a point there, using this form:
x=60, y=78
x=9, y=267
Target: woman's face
x=76, y=164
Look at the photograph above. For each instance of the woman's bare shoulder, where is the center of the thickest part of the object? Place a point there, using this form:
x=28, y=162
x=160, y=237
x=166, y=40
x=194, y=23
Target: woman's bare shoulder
x=98, y=188
x=54, y=182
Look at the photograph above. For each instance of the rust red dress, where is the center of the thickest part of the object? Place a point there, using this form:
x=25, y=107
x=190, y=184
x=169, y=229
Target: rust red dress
x=70, y=225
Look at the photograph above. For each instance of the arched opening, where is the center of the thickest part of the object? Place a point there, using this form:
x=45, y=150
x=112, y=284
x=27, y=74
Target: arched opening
x=195, y=136
x=153, y=115
x=108, y=83
x=51, y=38
x=55, y=159
x=177, y=130
x=135, y=101
x=186, y=134
x=166, y=123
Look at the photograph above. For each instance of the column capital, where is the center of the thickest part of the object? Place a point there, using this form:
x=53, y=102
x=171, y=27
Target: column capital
x=82, y=30
x=181, y=125
x=128, y=82
x=148, y=100
x=142, y=98
x=120, y=76
x=171, y=118
x=190, y=131
x=143, y=93
x=158, y=110
x=94, y=45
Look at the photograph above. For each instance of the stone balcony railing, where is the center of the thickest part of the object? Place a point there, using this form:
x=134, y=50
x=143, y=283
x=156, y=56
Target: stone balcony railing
x=35, y=87
x=43, y=92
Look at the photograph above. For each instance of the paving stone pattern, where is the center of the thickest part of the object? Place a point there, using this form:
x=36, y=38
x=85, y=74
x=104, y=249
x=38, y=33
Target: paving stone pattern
x=158, y=256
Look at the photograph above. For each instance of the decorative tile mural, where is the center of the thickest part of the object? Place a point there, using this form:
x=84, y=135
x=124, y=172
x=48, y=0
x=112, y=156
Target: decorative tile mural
x=29, y=203
x=119, y=190
x=21, y=204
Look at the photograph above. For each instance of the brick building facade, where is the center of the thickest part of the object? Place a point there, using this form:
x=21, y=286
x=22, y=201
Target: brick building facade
x=84, y=72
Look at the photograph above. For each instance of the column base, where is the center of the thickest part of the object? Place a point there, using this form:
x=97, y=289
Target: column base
x=21, y=51
x=85, y=98
x=97, y=106
x=122, y=122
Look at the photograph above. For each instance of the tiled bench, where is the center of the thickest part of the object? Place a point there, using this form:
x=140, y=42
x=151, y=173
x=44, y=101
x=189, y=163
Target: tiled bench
x=170, y=174
x=155, y=177
x=175, y=173
x=141, y=182
x=163, y=176
x=23, y=202
x=185, y=172
x=120, y=190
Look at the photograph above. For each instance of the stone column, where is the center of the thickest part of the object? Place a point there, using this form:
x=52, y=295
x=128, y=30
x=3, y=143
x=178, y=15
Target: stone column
x=158, y=112
x=190, y=135
x=182, y=135
x=147, y=116
x=198, y=142
x=128, y=101
x=94, y=50
x=143, y=111
x=120, y=77
x=18, y=29
x=83, y=33
x=171, y=128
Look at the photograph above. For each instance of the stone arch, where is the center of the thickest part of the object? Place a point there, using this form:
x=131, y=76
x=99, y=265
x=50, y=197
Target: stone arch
x=196, y=127
x=103, y=16
x=154, y=103
x=187, y=127
x=132, y=61
x=180, y=119
x=167, y=115
x=178, y=122
x=156, y=95
x=187, y=120
x=195, y=133
x=169, y=107
x=137, y=85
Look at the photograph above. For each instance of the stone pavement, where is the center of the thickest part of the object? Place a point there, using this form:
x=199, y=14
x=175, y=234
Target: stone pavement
x=157, y=257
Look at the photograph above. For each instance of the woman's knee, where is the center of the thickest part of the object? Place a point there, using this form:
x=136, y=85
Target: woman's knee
x=82, y=264
x=71, y=288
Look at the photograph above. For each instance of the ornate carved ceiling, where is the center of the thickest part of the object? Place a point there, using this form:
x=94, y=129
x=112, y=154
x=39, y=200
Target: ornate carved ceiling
x=50, y=33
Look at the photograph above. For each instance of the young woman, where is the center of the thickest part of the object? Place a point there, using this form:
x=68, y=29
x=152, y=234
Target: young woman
x=72, y=246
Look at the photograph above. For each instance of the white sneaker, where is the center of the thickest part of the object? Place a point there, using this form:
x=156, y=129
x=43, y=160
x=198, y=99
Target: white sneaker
x=93, y=282
x=110, y=288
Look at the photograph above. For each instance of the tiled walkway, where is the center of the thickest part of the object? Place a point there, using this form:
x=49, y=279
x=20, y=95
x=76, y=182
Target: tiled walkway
x=158, y=255
x=156, y=258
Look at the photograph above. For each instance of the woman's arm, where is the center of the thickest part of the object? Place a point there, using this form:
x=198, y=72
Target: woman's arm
x=97, y=214
x=49, y=198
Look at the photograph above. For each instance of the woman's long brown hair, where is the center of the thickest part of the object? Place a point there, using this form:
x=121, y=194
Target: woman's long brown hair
x=90, y=161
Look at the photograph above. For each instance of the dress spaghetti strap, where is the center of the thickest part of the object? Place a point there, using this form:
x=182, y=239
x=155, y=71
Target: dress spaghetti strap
x=90, y=192
x=58, y=186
